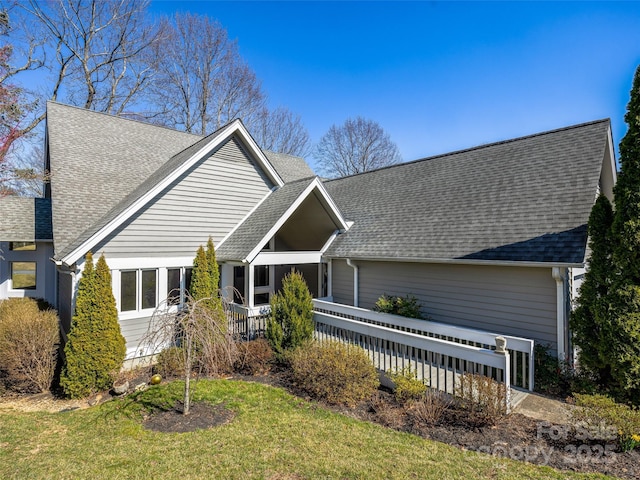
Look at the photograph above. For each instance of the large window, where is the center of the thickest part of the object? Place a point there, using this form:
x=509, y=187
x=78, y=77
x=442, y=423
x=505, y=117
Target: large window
x=178, y=281
x=22, y=246
x=138, y=290
x=23, y=275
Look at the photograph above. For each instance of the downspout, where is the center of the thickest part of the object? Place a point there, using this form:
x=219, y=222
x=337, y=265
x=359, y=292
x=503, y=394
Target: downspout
x=558, y=276
x=356, y=302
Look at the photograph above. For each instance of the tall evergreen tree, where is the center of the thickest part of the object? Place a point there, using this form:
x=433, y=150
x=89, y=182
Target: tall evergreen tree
x=214, y=275
x=590, y=322
x=95, y=348
x=201, y=286
x=624, y=346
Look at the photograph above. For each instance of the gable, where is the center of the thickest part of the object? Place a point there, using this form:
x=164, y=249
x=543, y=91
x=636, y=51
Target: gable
x=210, y=199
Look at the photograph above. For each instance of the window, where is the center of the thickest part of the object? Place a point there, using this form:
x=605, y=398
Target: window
x=261, y=276
x=261, y=298
x=149, y=288
x=22, y=246
x=128, y=290
x=138, y=290
x=173, y=286
x=238, y=284
x=187, y=278
x=23, y=275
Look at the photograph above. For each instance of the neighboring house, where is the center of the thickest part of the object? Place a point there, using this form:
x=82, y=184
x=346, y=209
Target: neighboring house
x=491, y=237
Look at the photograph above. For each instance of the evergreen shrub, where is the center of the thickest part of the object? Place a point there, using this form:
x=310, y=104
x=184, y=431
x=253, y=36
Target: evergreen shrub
x=291, y=322
x=334, y=372
x=407, y=306
x=29, y=342
x=408, y=388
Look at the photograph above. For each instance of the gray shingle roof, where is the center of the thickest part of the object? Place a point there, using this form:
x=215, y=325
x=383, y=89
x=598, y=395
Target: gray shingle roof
x=96, y=161
x=101, y=164
x=524, y=200
x=249, y=234
x=25, y=219
x=289, y=167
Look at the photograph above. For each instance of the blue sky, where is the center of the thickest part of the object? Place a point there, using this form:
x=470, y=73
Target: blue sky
x=438, y=76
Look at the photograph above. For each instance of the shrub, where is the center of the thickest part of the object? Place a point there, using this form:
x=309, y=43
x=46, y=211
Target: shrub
x=170, y=362
x=29, y=342
x=431, y=407
x=485, y=398
x=95, y=349
x=291, y=322
x=407, y=306
x=408, y=387
x=254, y=358
x=334, y=372
x=601, y=414
x=558, y=378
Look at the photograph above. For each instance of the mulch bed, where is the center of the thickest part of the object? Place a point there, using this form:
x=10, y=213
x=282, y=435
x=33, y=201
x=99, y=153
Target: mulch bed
x=201, y=415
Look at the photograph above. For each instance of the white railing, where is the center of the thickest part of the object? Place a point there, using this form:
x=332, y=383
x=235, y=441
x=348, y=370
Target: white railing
x=520, y=349
x=246, y=323
x=439, y=363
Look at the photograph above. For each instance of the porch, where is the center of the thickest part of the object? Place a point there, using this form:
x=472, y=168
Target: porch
x=439, y=353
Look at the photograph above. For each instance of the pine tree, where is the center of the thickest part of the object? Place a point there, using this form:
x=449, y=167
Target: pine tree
x=214, y=275
x=590, y=322
x=291, y=321
x=624, y=299
x=95, y=348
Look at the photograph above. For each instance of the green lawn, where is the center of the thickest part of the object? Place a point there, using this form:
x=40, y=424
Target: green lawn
x=274, y=435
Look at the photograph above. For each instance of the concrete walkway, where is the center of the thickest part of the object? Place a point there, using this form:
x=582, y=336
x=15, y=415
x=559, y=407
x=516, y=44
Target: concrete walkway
x=543, y=408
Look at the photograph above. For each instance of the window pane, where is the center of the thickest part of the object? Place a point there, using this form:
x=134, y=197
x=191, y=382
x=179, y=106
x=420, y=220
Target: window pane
x=238, y=284
x=173, y=286
x=128, y=290
x=261, y=276
x=18, y=246
x=23, y=275
x=187, y=278
x=149, y=290
x=261, y=299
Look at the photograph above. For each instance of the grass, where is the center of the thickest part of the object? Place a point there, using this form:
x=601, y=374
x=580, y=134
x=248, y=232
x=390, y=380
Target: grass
x=274, y=436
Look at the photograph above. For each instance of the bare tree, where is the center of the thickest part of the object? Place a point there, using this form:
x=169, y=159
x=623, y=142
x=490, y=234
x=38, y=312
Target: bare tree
x=357, y=146
x=202, y=335
x=202, y=81
x=97, y=46
x=282, y=131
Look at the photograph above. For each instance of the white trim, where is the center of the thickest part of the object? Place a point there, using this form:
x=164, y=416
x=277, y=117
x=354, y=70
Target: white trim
x=329, y=241
x=223, y=135
x=286, y=258
x=315, y=184
x=148, y=262
x=559, y=277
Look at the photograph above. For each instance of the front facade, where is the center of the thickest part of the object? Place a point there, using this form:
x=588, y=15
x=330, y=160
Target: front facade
x=490, y=238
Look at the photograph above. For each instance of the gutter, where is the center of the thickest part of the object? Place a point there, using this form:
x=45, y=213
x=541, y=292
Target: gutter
x=559, y=277
x=356, y=302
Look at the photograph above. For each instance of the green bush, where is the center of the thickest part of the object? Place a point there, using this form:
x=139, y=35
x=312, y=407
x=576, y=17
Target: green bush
x=254, y=358
x=29, y=342
x=95, y=349
x=408, y=388
x=407, y=306
x=558, y=378
x=485, y=399
x=600, y=413
x=334, y=372
x=291, y=322
x=170, y=362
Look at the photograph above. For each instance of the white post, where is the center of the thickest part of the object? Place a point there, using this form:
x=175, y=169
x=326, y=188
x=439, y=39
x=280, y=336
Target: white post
x=558, y=276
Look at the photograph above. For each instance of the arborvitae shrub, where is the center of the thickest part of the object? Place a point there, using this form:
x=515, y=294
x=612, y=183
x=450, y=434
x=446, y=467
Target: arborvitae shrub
x=95, y=349
x=291, y=322
x=334, y=372
x=29, y=342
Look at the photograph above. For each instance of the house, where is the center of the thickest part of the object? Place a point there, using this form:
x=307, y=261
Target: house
x=492, y=237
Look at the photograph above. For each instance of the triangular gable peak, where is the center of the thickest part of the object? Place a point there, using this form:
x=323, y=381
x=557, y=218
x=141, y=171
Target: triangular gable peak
x=177, y=166
x=302, y=229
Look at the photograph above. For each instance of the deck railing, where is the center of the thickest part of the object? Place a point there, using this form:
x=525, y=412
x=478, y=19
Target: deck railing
x=520, y=349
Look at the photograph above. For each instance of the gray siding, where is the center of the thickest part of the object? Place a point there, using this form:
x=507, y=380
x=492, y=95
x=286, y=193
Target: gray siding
x=209, y=200
x=342, y=282
x=510, y=300
x=133, y=330
x=65, y=294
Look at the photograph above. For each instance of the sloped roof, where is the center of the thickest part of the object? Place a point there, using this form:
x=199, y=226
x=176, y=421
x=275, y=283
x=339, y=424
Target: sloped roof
x=102, y=164
x=25, y=219
x=252, y=231
x=290, y=168
x=525, y=200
